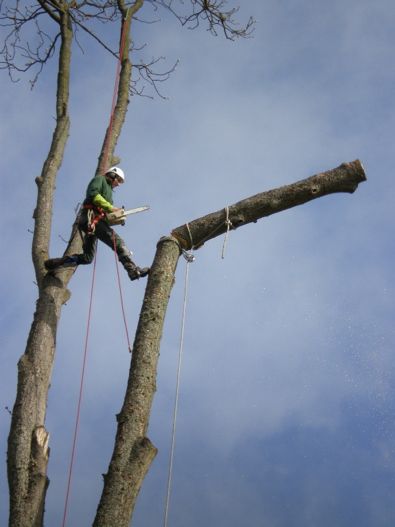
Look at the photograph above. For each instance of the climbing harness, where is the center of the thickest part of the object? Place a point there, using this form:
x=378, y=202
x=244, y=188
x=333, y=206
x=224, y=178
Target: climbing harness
x=118, y=217
x=94, y=215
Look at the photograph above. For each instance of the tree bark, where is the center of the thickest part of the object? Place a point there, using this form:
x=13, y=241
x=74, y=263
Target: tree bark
x=132, y=449
x=344, y=178
x=133, y=452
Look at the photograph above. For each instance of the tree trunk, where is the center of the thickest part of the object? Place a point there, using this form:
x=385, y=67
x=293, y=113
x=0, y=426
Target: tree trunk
x=28, y=451
x=133, y=452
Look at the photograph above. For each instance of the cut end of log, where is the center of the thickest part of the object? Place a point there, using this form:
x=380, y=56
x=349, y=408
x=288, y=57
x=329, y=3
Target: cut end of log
x=357, y=168
x=361, y=169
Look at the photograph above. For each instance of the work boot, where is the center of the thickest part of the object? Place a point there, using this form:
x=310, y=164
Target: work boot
x=135, y=272
x=54, y=263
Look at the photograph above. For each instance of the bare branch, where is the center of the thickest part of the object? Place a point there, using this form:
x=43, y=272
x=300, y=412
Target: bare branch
x=214, y=13
x=148, y=75
x=46, y=6
x=94, y=36
x=19, y=55
x=96, y=11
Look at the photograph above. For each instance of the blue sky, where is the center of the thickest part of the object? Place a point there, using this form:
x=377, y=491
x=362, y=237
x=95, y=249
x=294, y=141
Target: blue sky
x=287, y=390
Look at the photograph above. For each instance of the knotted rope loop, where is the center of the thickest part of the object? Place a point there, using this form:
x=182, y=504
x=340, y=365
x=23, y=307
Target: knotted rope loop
x=229, y=225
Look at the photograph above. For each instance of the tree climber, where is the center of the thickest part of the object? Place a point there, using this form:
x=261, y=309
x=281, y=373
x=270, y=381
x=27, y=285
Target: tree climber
x=94, y=225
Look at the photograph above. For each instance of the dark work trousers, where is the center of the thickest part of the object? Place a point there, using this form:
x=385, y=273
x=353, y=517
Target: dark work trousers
x=106, y=234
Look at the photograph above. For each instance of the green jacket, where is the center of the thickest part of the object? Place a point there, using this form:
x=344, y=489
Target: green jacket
x=99, y=193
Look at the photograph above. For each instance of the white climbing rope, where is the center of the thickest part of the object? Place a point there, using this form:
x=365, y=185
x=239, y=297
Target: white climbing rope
x=189, y=259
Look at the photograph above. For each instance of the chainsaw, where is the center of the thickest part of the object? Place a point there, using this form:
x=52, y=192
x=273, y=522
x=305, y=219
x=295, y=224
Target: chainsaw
x=118, y=217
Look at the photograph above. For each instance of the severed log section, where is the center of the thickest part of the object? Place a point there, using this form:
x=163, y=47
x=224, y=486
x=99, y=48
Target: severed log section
x=344, y=178
x=133, y=452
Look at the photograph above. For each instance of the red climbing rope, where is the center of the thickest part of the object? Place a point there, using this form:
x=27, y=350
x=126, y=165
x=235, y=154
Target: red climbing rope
x=105, y=165
x=77, y=420
x=114, y=96
x=120, y=292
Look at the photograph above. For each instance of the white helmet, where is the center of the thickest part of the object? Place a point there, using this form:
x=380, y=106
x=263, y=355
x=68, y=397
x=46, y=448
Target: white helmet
x=118, y=172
